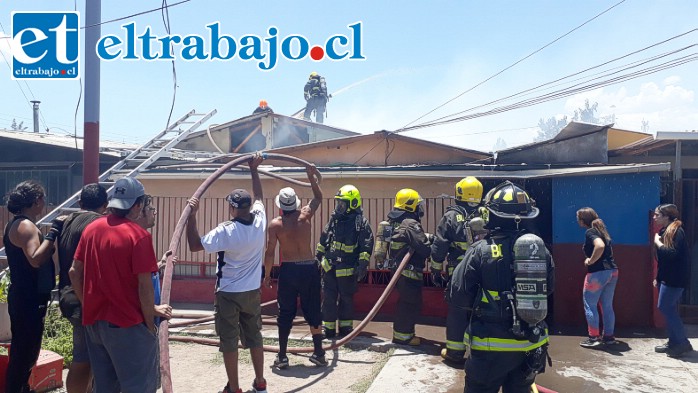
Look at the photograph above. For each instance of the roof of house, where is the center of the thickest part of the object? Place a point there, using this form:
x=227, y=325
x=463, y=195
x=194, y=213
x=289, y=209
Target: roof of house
x=105, y=147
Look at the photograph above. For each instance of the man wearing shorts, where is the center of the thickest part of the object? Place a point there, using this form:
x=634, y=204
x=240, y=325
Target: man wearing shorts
x=299, y=275
x=239, y=244
x=93, y=204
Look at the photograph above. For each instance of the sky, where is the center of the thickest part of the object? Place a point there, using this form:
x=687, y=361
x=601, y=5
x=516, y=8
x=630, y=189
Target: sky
x=451, y=57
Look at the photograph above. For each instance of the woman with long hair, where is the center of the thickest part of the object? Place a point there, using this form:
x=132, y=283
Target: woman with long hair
x=672, y=277
x=600, y=281
x=32, y=277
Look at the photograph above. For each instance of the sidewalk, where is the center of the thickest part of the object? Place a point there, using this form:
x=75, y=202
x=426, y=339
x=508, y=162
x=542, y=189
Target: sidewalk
x=372, y=364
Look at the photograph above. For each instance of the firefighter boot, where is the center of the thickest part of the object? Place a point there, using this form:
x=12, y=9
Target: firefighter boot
x=345, y=330
x=330, y=334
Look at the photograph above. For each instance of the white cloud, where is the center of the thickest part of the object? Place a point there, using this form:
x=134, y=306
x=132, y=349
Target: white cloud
x=667, y=108
x=672, y=80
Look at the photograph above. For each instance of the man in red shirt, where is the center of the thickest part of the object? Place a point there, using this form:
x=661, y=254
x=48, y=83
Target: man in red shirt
x=111, y=275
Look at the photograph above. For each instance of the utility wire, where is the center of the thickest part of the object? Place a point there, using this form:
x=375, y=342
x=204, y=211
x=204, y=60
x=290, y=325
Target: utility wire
x=166, y=22
x=570, y=91
x=137, y=14
x=552, y=83
x=512, y=65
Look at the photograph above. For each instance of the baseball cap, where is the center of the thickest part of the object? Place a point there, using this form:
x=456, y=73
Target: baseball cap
x=287, y=200
x=126, y=191
x=239, y=199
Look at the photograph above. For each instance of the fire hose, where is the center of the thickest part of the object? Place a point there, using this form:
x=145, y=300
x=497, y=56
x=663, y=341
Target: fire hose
x=334, y=345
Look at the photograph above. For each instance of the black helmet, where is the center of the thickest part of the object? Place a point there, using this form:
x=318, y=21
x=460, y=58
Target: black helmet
x=509, y=201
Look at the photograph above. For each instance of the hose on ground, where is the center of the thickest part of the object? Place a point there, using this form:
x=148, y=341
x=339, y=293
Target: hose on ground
x=335, y=344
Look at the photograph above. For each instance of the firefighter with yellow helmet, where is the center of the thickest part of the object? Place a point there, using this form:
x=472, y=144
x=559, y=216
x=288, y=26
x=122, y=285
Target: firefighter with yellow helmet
x=316, y=97
x=501, y=286
x=404, y=233
x=456, y=231
x=343, y=253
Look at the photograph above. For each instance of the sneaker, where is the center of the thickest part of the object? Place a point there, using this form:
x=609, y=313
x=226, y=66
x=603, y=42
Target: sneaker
x=259, y=388
x=662, y=348
x=281, y=362
x=318, y=360
x=591, y=342
x=679, y=350
x=453, y=356
x=345, y=331
x=414, y=341
x=226, y=389
x=609, y=340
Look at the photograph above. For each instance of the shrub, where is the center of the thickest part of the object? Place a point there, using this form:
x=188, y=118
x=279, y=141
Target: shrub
x=58, y=334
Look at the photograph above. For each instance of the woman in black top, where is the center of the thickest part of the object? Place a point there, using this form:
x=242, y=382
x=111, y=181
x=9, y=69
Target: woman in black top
x=672, y=277
x=601, y=279
x=32, y=277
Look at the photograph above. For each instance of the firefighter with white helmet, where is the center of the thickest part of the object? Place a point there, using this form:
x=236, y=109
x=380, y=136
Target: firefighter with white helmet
x=502, y=286
x=456, y=231
x=343, y=254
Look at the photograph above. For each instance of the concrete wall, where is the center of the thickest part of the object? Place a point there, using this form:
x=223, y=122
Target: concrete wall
x=624, y=203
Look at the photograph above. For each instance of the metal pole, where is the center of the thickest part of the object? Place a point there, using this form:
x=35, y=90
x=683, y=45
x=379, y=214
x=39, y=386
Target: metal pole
x=35, y=107
x=90, y=152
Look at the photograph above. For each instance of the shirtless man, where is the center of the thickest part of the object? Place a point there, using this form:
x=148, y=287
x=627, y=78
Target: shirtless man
x=299, y=275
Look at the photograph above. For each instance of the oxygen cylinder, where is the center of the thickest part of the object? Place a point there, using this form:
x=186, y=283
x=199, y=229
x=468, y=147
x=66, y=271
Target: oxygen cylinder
x=530, y=278
x=380, y=247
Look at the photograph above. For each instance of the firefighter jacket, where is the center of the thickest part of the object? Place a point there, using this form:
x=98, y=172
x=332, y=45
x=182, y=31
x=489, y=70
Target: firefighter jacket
x=315, y=87
x=451, y=240
x=346, y=242
x=408, y=234
x=482, y=287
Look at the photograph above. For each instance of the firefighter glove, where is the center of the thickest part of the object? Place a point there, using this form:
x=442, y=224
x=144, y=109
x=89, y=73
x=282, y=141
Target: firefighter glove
x=438, y=278
x=361, y=271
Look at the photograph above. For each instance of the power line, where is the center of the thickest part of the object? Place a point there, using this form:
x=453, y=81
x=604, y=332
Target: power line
x=512, y=65
x=569, y=91
x=552, y=83
x=166, y=22
x=164, y=6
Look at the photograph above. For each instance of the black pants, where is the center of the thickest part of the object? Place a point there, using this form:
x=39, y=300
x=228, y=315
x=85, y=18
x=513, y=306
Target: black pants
x=318, y=104
x=338, y=299
x=486, y=372
x=27, y=318
x=299, y=280
x=456, y=322
x=408, y=308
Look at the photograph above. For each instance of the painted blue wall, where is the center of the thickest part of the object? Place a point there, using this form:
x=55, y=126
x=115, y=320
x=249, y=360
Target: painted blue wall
x=622, y=201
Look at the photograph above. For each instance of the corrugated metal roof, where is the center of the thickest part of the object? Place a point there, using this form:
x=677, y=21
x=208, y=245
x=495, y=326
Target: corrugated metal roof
x=105, y=147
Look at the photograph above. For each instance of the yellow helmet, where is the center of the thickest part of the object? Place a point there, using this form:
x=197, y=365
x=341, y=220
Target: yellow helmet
x=312, y=75
x=469, y=190
x=351, y=195
x=407, y=199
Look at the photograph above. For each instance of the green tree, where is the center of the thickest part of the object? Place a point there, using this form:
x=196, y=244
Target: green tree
x=549, y=128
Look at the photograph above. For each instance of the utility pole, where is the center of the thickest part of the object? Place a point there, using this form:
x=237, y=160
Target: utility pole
x=35, y=107
x=90, y=148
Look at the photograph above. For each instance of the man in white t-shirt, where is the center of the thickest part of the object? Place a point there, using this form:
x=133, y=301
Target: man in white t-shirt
x=239, y=244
